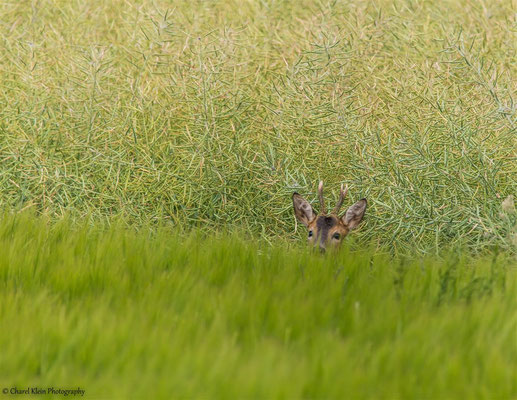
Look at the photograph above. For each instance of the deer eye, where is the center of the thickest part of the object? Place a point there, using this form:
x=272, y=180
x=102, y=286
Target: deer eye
x=310, y=233
x=336, y=236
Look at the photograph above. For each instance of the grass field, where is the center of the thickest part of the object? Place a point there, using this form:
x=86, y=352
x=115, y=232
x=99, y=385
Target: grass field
x=148, y=153
x=145, y=314
x=211, y=113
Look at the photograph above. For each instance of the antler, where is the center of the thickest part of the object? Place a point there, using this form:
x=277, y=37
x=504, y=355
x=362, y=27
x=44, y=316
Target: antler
x=323, y=210
x=342, y=194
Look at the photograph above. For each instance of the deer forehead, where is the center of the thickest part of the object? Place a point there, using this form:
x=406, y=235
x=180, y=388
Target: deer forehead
x=326, y=222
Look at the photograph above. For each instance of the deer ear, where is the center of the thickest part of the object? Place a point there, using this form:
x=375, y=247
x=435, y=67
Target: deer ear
x=354, y=215
x=303, y=210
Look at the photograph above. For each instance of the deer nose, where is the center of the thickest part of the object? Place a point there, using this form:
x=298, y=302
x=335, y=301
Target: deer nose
x=322, y=250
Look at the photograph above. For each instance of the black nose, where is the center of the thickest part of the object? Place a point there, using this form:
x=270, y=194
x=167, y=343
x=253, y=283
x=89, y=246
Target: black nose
x=322, y=250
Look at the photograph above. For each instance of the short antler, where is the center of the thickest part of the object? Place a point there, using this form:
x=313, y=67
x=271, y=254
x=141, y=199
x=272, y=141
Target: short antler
x=342, y=195
x=323, y=210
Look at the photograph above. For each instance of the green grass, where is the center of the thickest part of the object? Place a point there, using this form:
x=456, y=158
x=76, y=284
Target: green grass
x=152, y=314
x=211, y=114
x=133, y=133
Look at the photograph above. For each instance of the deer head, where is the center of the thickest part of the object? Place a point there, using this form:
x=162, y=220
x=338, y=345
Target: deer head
x=328, y=230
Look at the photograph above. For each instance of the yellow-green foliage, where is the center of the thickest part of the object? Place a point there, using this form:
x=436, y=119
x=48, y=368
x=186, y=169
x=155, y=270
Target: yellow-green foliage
x=157, y=316
x=214, y=112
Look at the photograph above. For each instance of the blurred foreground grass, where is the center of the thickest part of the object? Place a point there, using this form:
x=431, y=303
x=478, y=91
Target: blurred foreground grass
x=211, y=113
x=151, y=314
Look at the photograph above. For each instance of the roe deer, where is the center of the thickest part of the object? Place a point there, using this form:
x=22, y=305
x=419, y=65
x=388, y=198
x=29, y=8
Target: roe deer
x=328, y=229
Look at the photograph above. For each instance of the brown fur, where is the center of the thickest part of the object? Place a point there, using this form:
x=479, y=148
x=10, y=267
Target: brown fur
x=327, y=230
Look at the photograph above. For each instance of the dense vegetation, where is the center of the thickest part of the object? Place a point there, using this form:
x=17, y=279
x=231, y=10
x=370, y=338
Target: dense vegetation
x=147, y=314
x=134, y=133
x=212, y=113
